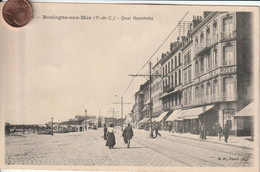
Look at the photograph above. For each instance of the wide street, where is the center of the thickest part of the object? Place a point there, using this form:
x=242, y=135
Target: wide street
x=88, y=149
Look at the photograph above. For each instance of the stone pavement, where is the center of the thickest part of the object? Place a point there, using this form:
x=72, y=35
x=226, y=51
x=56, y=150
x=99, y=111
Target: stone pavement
x=88, y=149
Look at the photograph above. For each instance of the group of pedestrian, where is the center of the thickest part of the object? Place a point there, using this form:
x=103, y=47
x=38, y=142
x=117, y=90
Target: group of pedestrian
x=109, y=135
x=224, y=131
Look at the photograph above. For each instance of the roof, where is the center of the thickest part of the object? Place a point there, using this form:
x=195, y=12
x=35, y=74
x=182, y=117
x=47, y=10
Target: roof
x=247, y=111
x=72, y=122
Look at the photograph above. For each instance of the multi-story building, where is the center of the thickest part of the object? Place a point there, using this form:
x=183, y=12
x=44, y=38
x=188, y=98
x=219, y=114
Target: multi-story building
x=138, y=106
x=222, y=77
x=157, y=89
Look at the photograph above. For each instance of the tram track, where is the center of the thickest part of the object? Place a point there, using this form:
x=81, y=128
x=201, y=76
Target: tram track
x=187, y=157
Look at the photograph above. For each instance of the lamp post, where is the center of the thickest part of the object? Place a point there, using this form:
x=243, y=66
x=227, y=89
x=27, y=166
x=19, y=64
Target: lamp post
x=51, y=126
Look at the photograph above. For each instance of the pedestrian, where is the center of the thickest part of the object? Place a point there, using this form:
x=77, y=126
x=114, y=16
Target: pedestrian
x=170, y=128
x=157, y=130
x=219, y=132
x=226, y=132
x=105, y=132
x=128, y=134
x=203, y=131
x=111, y=140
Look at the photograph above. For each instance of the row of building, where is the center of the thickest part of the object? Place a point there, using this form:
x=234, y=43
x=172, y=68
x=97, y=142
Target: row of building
x=205, y=77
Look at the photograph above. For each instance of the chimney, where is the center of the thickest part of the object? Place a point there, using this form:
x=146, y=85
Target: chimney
x=171, y=46
x=163, y=55
x=196, y=21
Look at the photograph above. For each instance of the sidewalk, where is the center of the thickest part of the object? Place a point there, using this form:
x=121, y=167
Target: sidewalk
x=244, y=142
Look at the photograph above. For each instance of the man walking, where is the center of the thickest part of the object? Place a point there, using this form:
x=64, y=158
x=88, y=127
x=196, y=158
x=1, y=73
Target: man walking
x=128, y=134
x=157, y=131
x=219, y=131
x=226, y=132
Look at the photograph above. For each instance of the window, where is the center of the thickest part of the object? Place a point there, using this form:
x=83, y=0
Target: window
x=214, y=91
x=189, y=96
x=171, y=64
x=215, y=25
x=176, y=101
x=228, y=55
x=196, y=94
x=202, y=65
x=185, y=97
x=175, y=61
x=176, y=79
x=185, y=59
x=179, y=76
x=196, y=68
x=165, y=69
x=169, y=70
x=228, y=26
x=202, y=91
x=208, y=89
x=201, y=38
x=185, y=77
x=189, y=75
x=208, y=62
x=179, y=98
x=172, y=80
x=196, y=43
x=229, y=91
x=179, y=59
x=208, y=37
x=189, y=56
x=215, y=57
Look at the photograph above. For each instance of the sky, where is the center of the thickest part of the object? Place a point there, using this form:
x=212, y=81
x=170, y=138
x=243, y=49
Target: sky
x=59, y=68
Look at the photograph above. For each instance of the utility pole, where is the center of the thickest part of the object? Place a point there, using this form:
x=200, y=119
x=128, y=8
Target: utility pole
x=150, y=92
x=122, y=105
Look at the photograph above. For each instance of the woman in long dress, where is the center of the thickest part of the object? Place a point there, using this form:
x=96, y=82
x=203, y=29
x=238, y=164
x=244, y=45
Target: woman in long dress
x=111, y=140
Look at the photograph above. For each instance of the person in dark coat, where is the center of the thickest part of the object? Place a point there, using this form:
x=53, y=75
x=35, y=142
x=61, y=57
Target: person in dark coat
x=219, y=132
x=111, y=139
x=105, y=132
x=128, y=134
x=157, y=130
x=226, y=132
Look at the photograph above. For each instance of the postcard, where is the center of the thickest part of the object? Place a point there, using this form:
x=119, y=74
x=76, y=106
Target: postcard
x=133, y=87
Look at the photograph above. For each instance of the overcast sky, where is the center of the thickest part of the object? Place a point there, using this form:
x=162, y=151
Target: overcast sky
x=59, y=68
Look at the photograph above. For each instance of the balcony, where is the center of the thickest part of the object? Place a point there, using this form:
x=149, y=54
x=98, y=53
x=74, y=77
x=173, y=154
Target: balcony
x=228, y=35
x=202, y=47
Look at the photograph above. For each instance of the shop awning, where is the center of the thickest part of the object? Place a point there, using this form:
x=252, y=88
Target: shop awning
x=247, y=111
x=145, y=120
x=174, y=115
x=146, y=107
x=194, y=112
x=160, y=118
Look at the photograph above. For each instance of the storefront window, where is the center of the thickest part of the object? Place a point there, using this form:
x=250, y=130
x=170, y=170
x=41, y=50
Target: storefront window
x=229, y=91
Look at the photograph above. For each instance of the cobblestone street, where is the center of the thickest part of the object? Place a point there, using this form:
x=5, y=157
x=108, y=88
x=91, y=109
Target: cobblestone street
x=88, y=149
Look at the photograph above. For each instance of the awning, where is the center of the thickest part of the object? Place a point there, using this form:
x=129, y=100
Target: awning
x=247, y=111
x=146, y=107
x=194, y=112
x=176, y=89
x=174, y=115
x=159, y=118
x=145, y=120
